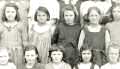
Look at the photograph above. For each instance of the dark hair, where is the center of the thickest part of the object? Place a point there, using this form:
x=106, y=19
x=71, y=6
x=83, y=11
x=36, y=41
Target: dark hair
x=32, y=47
x=111, y=10
x=83, y=48
x=56, y=47
x=86, y=17
x=69, y=8
x=43, y=9
x=17, y=17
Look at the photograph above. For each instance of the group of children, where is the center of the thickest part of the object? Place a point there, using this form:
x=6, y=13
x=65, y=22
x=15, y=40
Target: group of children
x=49, y=43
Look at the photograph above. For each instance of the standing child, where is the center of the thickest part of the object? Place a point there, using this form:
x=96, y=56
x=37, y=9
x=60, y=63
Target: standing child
x=4, y=59
x=13, y=33
x=68, y=33
x=41, y=33
x=56, y=54
x=95, y=35
x=31, y=58
x=86, y=59
x=115, y=24
x=113, y=56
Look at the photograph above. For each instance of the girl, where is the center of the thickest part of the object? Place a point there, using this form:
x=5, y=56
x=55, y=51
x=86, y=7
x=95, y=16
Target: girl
x=13, y=33
x=68, y=33
x=95, y=35
x=53, y=9
x=4, y=59
x=113, y=55
x=86, y=59
x=31, y=57
x=115, y=24
x=56, y=54
x=103, y=5
x=40, y=33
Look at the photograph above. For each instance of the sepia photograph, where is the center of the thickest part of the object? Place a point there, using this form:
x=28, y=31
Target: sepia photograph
x=59, y=34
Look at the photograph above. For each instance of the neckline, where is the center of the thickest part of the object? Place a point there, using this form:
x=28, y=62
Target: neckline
x=9, y=28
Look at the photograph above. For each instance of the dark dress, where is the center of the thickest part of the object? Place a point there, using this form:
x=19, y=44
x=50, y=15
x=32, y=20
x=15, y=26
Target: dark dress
x=68, y=36
x=96, y=41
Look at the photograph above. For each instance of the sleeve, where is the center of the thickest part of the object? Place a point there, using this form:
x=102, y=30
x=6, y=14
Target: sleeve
x=81, y=39
x=107, y=38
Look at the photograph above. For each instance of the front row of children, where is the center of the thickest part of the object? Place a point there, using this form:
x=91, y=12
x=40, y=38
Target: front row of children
x=56, y=55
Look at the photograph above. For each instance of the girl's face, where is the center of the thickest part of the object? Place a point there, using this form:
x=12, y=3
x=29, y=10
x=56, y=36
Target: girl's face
x=57, y=56
x=94, y=17
x=86, y=56
x=69, y=17
x=30, y=56
x=4, y=57
x=113, y=55
x=116, y=13
x=10, y=13
x=42, y=17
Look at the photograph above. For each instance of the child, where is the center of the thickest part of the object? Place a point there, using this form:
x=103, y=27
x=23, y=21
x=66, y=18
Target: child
x=68, y=33
x=95, y=35
x=113, y=56
x=103, y=5
x=4, y=59
x=115, y=24
x=31, y=58
x=56, y=54
x=86, y=59
x=40, y=35
x=13, y=33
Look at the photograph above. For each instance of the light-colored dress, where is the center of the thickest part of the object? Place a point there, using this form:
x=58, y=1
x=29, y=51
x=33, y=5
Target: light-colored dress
x=14, y=37
x=114, y=31
x=41, y=38
x=8, y=66
x=63, y=65
x=111, y=66
x=87, y=66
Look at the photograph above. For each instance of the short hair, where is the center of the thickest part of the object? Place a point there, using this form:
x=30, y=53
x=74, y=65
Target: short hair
x=31, y=47
x=86, y=17
x=17, y=17
x=57, y=47
x=69, y=8
x=43, y=9
x=114, y=45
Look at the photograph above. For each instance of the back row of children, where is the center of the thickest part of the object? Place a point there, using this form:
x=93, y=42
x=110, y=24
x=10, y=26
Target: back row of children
x=15, y=35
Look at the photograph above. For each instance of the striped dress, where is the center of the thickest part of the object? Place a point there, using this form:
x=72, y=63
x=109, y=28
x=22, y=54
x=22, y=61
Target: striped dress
x=41, y=38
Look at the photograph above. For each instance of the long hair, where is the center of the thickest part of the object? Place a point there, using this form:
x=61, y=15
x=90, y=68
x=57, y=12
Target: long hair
x=31, y=47
x=17, y=17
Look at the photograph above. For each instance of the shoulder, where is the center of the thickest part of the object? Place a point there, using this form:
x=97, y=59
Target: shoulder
x=96, y=66
x=12, y=65
x=67, y=66
x=105, y=66
x=108, y=25
x=49, y=65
